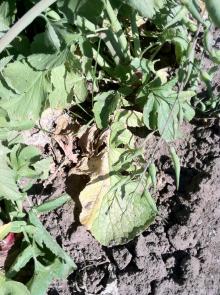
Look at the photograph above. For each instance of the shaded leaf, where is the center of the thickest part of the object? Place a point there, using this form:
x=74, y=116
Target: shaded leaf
x=11, y=227
x=146, y=8
x=22, y=259
x=47, y=61
x=52, y=36
x=42, y=237
x=105, y=105
x=8, y=186
x=148, y=108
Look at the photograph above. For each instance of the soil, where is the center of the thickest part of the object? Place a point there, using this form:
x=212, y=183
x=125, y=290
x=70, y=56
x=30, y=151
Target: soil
x=178, y=254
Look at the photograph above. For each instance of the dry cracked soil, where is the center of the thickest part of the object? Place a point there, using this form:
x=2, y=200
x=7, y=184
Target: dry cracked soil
x=178, y=254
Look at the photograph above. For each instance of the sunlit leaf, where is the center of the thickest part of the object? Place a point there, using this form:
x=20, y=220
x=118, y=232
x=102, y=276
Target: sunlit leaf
x=115, y=208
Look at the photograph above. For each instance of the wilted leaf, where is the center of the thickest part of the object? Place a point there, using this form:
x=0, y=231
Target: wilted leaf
x=115, y=208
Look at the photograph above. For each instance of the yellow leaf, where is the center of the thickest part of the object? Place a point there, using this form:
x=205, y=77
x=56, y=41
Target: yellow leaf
x=115, y=208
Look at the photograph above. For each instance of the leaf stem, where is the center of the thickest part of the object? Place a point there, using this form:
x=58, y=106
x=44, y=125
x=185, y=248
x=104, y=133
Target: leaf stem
x=23, y=22
x=117, y=28
x=135, y=33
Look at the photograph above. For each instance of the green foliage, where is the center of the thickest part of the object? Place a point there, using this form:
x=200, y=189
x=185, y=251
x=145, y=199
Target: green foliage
x=53, y=204
x=14, y=288
x=146, y=8
x=105, y=104
x=213, y=10
x=161, y=110
x=8, y=187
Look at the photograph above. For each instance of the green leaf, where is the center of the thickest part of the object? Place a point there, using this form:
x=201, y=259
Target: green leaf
x=7, y=14
x=26, y=162
x=105, y=105
x=66, y=84
x=146, y=8
x=22, y=259
x=176, y=164
x=13, y=288
x=168, y=125
x=43, y=62
x=42, y=237
x=8, y=186
x=86, y=8
x=148, y=108
x=80, y=87
x=14, y=227
x=19, y=83
x=120, y=133
x=189, y=112
x=44, y=275
x=165, y=109
x=52, y=36
x=42, y=167
x=53, y=204
x=59, y=95
x=31, y=88
x=4, y=61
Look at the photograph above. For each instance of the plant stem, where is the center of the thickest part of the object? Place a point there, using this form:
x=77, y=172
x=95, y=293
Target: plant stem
x=117, y=28
x=100, y=60
x=135, y=33
x=23, y=22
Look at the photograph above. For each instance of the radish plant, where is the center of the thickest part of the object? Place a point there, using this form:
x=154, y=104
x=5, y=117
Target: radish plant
x=116, y=66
